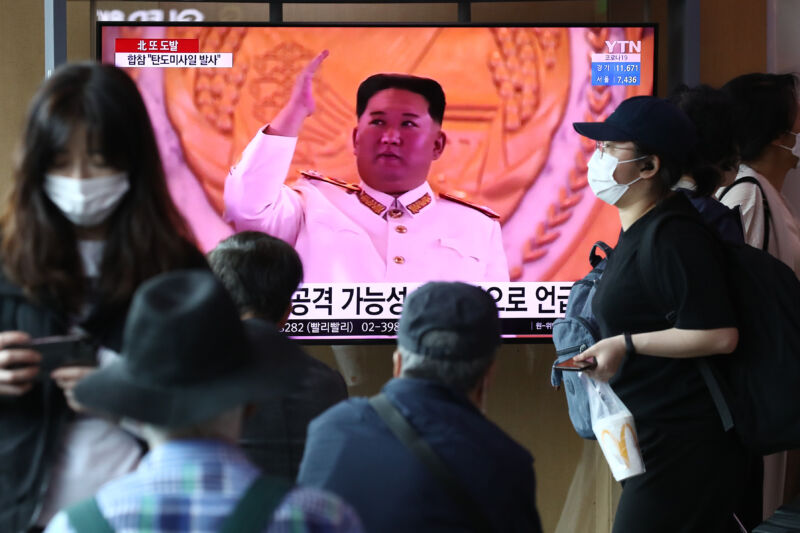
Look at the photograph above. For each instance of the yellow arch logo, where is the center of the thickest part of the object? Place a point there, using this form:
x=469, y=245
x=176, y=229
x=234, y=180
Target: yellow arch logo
x=622, y=444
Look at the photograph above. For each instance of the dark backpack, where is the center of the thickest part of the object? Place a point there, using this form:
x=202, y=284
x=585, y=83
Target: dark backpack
x=573, y=334
x=756, y=389
x=726, y=220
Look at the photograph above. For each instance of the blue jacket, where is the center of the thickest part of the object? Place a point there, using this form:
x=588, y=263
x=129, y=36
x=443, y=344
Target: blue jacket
x=351, y=452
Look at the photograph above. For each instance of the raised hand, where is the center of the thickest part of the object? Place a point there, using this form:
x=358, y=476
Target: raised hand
x=290, y=118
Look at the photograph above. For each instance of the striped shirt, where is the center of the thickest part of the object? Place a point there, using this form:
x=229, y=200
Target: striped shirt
x=192, y=486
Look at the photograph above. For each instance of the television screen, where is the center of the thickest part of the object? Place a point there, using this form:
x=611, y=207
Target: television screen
x=506, y=204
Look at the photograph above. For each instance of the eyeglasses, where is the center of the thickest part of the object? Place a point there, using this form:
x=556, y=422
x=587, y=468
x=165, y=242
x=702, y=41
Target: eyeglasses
x=602, y=146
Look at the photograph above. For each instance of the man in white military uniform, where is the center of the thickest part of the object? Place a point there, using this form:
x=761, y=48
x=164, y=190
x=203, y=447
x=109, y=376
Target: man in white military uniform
x=389, y=227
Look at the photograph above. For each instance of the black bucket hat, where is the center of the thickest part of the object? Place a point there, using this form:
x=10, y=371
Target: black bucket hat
x=187, y=356
x=655, y=123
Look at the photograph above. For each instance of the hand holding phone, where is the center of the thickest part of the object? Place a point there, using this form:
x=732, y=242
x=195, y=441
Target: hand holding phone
x=57, y=351
x=570, y=365
x=19, y=367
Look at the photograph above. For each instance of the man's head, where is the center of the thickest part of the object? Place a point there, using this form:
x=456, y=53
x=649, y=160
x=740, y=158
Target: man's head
x=399, y=132
x=188, y=361
x=260, y=272
x=448, y=333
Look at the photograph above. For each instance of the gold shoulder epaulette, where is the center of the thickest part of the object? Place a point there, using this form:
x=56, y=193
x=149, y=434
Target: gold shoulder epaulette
x=482, y=208
x=314, y=175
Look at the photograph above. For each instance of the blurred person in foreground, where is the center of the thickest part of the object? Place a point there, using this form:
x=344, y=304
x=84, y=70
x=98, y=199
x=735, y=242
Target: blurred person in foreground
x=189, y=368
x=88, y=220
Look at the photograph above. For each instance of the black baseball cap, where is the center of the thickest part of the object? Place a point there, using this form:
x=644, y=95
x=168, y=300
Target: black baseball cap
x=654, y=123
x=455, y=307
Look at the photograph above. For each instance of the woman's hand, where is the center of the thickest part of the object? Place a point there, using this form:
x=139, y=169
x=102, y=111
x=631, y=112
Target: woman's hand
x=18, y=366
x=67, y=377
x=608, y=353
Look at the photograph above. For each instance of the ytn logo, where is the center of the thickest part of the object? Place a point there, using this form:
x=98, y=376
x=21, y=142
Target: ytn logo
x=625, y=47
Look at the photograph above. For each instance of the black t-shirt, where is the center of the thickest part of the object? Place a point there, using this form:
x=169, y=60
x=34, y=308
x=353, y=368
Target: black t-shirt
x=684, y=279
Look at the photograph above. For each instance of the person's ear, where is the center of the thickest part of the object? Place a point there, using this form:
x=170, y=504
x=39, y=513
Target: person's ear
x=355, y=140
x=397, y=364
x=438, y=144
x=650, y=167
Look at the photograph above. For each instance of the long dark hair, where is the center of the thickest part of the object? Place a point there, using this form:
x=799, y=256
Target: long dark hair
x=765, y=106
x=146, y=234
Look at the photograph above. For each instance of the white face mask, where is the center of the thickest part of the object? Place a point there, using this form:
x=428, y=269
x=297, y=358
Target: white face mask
x=86, y=202
x=794, y=149
x=600, y=175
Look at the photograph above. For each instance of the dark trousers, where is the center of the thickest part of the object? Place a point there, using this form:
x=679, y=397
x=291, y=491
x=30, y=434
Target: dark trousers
x=693, y=482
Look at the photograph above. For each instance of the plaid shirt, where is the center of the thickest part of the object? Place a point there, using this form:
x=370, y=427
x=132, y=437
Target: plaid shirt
x=192, y=486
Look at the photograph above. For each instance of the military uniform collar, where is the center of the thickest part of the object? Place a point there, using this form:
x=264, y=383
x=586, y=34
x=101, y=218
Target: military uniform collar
x=413, y=202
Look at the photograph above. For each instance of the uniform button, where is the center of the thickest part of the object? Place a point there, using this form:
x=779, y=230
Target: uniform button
x=401, y=229
x=395, y=213
x=399, y=259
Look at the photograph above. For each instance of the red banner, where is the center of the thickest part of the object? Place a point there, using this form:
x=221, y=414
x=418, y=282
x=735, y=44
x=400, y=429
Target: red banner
x=179, y=46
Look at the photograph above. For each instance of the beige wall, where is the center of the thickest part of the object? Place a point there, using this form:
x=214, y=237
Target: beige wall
x=21, y=70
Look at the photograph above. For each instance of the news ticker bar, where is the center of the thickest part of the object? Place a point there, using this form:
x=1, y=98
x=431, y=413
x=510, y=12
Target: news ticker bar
x=371, y=310
x=369, y=329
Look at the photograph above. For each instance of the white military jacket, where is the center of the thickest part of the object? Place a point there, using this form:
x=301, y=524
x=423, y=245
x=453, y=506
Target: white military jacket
x=354, y=233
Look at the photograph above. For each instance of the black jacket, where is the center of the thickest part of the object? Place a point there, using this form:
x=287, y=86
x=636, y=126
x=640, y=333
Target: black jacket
x=31, y=425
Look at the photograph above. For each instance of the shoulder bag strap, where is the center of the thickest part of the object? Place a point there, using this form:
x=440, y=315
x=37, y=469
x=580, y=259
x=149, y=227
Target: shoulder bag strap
x=254, y=510
x=417, y=445
x=645, y=255
x=767, y=212
x=85, y=517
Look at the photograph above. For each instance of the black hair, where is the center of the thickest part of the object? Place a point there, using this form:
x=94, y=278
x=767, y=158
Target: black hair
x=669, y=172
x=765, y=106
x=426, y=87
x=711, y=112
x=260, y=272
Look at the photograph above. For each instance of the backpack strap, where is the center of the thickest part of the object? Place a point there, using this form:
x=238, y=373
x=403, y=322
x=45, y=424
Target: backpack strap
x=85, y=517
x=418, y=446
x=767, y=212
x=254, y=510
x=645, y=258
x=594, y=257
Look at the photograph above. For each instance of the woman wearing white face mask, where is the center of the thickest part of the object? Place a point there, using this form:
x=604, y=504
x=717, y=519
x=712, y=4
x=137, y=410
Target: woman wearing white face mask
x=646, y=354
x=766, y=120
x=88, y=220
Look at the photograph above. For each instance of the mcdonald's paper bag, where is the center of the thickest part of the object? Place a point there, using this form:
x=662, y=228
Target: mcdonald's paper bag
x=613, y=426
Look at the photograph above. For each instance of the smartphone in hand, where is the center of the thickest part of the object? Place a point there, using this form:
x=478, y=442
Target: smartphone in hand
x=62, y=350
x=570, y=365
